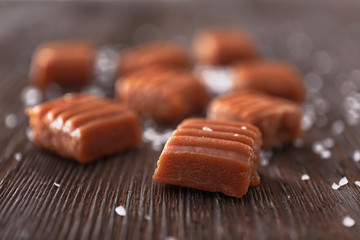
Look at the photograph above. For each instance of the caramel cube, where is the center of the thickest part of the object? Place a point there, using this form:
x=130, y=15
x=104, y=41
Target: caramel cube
x=211, y=155
x=223, y=46
x=84, y=127
x=272, y=77
x=163, y=54
x=66, y=63
x=166, y=95
x=278, y=119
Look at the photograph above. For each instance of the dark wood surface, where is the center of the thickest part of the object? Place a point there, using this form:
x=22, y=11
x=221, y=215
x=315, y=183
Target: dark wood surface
x=321, y=39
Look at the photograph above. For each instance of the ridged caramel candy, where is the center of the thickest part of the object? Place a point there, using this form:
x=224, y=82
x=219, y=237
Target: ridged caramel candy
x=223, y=46
x=272, y=77
x=211, y=155
x=166, y=95
x=84, y=127
x=152, y=54
x=278, y=119
x=68, y=63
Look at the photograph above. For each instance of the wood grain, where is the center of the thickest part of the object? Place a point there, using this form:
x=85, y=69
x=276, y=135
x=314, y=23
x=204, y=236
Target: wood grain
x=83, y=205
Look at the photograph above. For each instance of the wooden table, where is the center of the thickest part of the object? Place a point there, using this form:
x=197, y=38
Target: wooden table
x=43, y=196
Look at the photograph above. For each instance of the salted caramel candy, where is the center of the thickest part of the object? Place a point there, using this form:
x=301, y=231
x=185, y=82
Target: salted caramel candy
x=278, y=119
x=211, y=155
x=84, y=127
x=152, y=54
x=68, y=63
x=224, y=46
x=272, y=77
x=165, y=95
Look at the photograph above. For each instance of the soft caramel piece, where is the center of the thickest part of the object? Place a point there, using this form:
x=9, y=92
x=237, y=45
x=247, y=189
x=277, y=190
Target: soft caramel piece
x=278, y=119
x=210, y=155
x=84, y=127
x=272, y=77
x=163, y=54
x=67, y=63
x=223, y=46
x=166, y=95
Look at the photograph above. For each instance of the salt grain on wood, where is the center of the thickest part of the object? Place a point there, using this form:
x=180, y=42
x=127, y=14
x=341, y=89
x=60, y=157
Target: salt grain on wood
x=18, y=156
x=305, y=177
x=10, y=120
x=356, y=156
x=120, y=210
x=357, y=183
x=348, y=222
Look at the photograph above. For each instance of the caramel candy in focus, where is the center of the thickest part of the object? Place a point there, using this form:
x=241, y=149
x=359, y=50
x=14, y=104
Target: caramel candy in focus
x=84, y=127
x=278, y=119
x=224, y=46
x=210, y=155
x=166, y=95
x=153, y=54
x=66, y=63
x=272, y=77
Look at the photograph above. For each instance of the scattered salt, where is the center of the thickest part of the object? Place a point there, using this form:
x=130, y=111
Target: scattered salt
x=307, y=121
x=305, y=177
x=328, y=143
x=10, y=120
x=207, y=129
x=335, y=186
x=357, y=183
x=236, y=134
x=243, y=127
x=343, y=181
x=18, y=156
x=265, y=157
x=337, y=127
x=31, y=96
x=325, y=154
x=356, y=155
x=29, y=134
x=120, y=210
x=156, y=138
x=217, y=80
x=56, y=184
x=317, y=147
x=348, y=222
x=147, y=217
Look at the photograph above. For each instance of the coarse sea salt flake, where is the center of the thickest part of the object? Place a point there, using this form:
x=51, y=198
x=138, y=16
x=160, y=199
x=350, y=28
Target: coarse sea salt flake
x=343, y=181
x=325, y=154
x=356, y=155
x=348, y=221
x=357, y=183
x=305, y=177
x=10, y=120
x=57, y=184
x=207, y=129
x=18, y=156
x=120, y=210
x=335, y=186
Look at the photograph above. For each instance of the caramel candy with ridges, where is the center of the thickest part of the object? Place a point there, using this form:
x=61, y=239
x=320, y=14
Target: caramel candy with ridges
x=163, y=54
x=278, y=119
x=165, y=95
x=211, y=155
x=68, y=63
x=272, y=77
x=223, y=46
x=84, y=127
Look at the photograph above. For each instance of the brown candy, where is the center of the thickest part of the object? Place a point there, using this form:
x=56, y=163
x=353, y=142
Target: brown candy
x=272, y=77
x=84, y=127
x=210, y=155
x=154, y=54
x=223, y=46
x=166, y=95
x=66, y=63
x=278, y=119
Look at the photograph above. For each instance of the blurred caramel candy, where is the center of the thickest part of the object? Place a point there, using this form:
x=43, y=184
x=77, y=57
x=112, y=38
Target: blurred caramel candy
x=223, y=46
x=166, y=95
x=84, y=127
x=278, y=119
x=66, y=63
x=211, y=155
x=163, y=54
x=272, y=77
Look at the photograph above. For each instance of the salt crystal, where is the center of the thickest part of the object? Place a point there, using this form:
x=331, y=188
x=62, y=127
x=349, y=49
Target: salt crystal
x=10, y=120
x=305, y=177
x=288, y=196
x=356, y=155
x=318, y=147
x=243, y=127
x=29, y=134
x=325, y=154
x=120, y=210
x=156, y=138
x=31, y=96
x=56, y=184
x=207, y=129
x=236, y=134
x=328, y=143
x=357, y=183
x=337, y=127
x=335, y=186
x=343, y=181
x=348, y=222
x=18, y=156
x=307, y=122
x=170, y=238
x=265, y=157
x=147, y=217
x=217, y=80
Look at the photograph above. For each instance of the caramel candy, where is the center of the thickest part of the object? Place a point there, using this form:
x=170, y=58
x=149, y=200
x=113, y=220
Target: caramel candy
x=272, y=77
x=154, y=54
x=66, y=63
x=166, y=95
x=84, y=127
x=211, y=155
x=223, y=46
x=278, y=119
